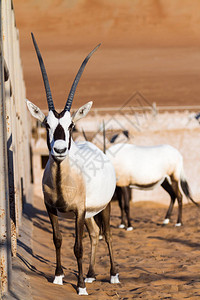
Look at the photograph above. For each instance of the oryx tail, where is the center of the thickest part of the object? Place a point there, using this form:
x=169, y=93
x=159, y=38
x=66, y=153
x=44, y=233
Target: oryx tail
x=186, y=189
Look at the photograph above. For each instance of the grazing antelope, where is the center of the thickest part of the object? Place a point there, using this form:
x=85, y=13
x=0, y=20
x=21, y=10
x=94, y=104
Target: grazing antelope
x=145, y=168
x=78, y=180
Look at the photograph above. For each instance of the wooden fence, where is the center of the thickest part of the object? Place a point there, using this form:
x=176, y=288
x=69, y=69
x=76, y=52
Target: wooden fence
x=14, y=142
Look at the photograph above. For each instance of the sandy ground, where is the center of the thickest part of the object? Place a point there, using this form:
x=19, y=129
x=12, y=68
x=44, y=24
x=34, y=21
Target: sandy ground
x=154, y=262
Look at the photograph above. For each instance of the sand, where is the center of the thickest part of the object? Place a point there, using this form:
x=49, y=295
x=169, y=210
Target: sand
x=154, y=262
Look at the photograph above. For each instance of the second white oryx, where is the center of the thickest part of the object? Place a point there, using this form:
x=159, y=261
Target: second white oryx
x=78, y=180
x=144, y=168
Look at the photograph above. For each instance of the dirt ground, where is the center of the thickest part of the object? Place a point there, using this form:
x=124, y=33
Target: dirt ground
x=154, y=262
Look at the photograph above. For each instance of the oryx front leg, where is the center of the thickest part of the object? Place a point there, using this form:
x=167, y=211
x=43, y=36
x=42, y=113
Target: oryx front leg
x=114, y=276
x=78, y=251
x=93, y=231
x=57, y=239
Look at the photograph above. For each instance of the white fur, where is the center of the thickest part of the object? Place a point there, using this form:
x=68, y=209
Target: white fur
x=82, y=112
x=121, y=226
x=114, y=279
x=140, y=166
x=82, y=291
x=35, y=111
x=89, y=279
x=98, y=167
x=129, y=228
x=178, y=225
x=166, y=221
x=58, y=280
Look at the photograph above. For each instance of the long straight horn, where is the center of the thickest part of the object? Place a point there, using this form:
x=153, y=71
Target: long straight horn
x=44, y=75
x=76, y=80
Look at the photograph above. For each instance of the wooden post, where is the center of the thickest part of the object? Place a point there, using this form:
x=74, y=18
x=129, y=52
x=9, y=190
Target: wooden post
x=5, y=253
x=8, y=59
x=14, y=141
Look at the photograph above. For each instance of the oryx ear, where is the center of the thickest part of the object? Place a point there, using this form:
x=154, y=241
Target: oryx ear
x=82, y=112
x=35, y=111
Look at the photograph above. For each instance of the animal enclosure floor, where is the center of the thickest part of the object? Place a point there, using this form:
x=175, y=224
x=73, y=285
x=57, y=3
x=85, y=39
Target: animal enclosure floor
x=155, y=262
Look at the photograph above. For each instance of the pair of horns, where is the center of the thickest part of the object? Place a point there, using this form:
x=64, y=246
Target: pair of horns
x=46, y=81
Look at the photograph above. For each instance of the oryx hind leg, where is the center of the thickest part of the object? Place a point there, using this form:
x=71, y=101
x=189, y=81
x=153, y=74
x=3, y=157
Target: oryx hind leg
x=93, y=230
x=57, y=239
x=78, y=251
x=126, y=191
x=105, y=215
x=168, y=188
x=175, y=186
x=120, y=198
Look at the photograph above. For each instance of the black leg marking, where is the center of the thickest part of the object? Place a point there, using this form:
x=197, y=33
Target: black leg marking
x=78, y=247
x=105, y=214
x=121, y=205
x=57, y=238
x=93, y=230
x=168, y=188
x=127, y=197
x=179, y=198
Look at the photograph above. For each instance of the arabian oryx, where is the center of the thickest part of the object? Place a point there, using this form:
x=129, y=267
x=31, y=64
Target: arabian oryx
x=144, y=168
x=78, y=180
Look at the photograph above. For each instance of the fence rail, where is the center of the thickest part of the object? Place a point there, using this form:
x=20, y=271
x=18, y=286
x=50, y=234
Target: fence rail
x=138, y=109
x=14, y=142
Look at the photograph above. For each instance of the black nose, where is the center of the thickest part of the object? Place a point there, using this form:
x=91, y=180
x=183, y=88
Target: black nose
x=60, y=151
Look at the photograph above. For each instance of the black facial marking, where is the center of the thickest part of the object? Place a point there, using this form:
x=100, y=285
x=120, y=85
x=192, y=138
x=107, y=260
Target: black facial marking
x=59, y=115
x=71, y=126
x=60, y=203
x=47, y=128
x=59, y=133
x=48, y=141
x=58, y=181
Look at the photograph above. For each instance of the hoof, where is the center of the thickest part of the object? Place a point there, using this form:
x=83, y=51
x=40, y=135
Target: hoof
x=89, y=279
x=82, y=291
x=121, y=226
x=178, y=224
x=58, y=280
x=100, y=237
x=166, y=221
x=114, y=279
x=129, y=228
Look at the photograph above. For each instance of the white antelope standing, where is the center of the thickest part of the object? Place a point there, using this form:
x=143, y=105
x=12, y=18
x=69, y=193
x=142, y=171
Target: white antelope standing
x=145, y=168
x=78, y=179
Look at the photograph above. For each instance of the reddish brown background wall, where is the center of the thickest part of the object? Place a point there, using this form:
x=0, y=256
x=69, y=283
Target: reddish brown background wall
x=150, y=46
